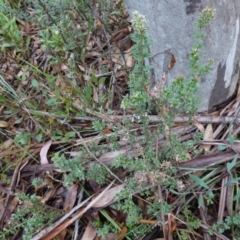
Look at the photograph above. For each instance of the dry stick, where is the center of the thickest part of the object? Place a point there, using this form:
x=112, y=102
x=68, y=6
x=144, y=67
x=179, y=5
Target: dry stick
x=164, y=225
x=152, y=118
x=222, y=202
x=161, y=200
x=114, y=82
x=229, y=114
x=210, y=160
x=203, y=214
x=76, y=227
x=185, y=119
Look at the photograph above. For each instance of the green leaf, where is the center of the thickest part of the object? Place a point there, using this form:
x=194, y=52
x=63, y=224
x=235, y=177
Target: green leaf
x=23, y=138
x=101, y=80
x=236, y=197
x=3, y=98
x=19, y=120
x=230, y=139
x=39, y=137
x=71, y=134
x=116, y=13
x=210, y=193
x=221, y=147
x=175, y=192
x=200, y=200
x=230, y=165
x=88, y=91
x=35, y=84
x=94, y=79
x=234, y=180
x=51, y=101
x=199, y=181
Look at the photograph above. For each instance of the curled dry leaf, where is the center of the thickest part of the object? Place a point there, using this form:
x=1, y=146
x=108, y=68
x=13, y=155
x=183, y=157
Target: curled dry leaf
x=44, y=151
x=208, y=136
x=172, y=62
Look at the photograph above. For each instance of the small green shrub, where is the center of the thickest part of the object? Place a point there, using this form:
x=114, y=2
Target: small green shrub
x=30, y=219
x=64, y=42
x=10, y=36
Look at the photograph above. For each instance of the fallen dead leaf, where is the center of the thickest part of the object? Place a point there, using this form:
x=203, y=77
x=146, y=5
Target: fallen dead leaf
x=3, y=124
x=90, y=232
x=200, y=127
x=71, y=197
x=208, y=136
x=44, y=151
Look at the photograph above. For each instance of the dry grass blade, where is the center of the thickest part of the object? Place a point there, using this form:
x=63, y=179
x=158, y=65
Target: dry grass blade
x=6, y=87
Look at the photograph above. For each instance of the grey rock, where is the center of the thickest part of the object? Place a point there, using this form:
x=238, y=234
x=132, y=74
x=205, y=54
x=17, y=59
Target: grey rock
x=171, y=27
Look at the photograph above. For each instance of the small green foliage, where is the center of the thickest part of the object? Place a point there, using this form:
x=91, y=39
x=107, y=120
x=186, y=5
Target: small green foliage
x=228, y=223
x=73, y=169
x=139, y=77
x=133, y=211
x=65, y=30
x=183, y=235
x=180, y=98
x=206, y=16
x=124, y=162
x=197, y=69
x=37, y=181
x=10, y=36
x=23, y=138
x=156, y=208
x=51, y=39
x=230, y=139
x=97, y=173
x=98, y=126
x=192, y=222
x=209, y=196
x=231, y=165
x=105, y=229
x=31, y=218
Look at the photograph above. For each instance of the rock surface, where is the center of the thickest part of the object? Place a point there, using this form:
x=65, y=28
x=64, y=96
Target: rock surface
x=171, y=26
